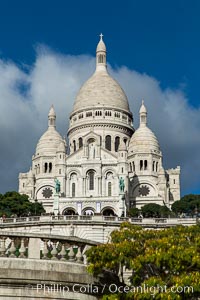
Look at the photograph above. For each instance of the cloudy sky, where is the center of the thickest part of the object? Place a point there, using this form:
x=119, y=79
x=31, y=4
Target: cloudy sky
x=47, y=51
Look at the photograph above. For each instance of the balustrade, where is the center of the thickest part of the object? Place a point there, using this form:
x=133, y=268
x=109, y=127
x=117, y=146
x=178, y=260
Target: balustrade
x=95, y=218
x=14, y=246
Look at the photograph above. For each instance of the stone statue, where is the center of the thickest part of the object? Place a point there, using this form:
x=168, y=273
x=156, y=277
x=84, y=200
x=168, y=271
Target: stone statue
x=121, y=184
x=57, y=185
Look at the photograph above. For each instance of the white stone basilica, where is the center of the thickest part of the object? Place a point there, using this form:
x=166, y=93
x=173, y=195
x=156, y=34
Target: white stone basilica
x=103, y=148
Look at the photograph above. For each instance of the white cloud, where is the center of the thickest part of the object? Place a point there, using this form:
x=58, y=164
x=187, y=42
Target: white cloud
x=26, y=96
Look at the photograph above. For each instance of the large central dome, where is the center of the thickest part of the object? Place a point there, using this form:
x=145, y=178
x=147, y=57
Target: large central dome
x=101, y=89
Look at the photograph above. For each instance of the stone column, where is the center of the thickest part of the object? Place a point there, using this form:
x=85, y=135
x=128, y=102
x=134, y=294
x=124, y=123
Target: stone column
x=83, y=186
x=68, y=187
x=56, y=204
x=103, y=186
x=122, y=205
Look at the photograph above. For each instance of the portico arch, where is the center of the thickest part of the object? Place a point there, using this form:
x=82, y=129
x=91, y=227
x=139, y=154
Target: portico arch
x=69, y=211
x=88, y=211
x=108, y=211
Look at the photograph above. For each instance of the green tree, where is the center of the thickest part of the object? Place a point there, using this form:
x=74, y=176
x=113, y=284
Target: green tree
x=13, y=203
x=160, y=259
x=151, y=210
x=180, y=207
x=190, y=197
x=165, y=212
x=134, y=212
x=189, y=204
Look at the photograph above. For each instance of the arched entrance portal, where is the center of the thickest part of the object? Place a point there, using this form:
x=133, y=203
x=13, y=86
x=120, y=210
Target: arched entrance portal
x=88, y=211
x=108, y=212
x=69, y=212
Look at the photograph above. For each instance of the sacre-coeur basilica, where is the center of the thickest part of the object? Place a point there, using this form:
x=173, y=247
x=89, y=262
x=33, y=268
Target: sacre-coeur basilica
x=107, y=166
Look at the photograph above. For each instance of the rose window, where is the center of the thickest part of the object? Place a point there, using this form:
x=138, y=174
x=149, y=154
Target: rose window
x=47, y=193
x=144, y=190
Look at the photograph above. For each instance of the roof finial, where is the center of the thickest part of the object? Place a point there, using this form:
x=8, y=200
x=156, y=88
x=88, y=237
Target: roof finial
x=143, y=115
x=101, y=55
x=52, y=117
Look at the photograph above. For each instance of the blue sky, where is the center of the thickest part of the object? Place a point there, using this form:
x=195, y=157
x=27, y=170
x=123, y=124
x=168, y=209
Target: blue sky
x=156, y=39
x=160, y=38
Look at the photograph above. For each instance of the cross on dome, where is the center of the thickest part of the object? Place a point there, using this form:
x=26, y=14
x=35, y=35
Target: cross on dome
x=101, y=36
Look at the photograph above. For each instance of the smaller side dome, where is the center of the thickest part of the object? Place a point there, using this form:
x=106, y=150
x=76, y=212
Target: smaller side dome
x=143, y=140
x=51, y=139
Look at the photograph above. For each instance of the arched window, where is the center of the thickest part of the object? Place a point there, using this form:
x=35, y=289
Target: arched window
x=91, y=180
x=157, y=167
x=109, y=189
x=145, y=164
x=68, y=211
x=108, y=113
x=80, y=142
x=153, y=167
x=50, y=167
x=117, y=142
x=133, y=166
x=101, y=58
x=45, y=167
x=108, y=142
x=108, y=212
x=73, y=189
x=130, y=167
x=74, y=145
x=141, y=165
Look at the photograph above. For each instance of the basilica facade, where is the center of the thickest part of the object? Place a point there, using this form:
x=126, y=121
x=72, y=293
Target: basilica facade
x=103, y=150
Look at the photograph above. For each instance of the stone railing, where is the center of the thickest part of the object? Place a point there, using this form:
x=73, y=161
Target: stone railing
x=37, y=246
x=45, y=266
x=97, y=219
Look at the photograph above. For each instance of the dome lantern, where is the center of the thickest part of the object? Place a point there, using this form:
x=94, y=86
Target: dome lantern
x=143, y=140
x=51, y=139
x=52, y=117
x=143, y=115
x=101, y=55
